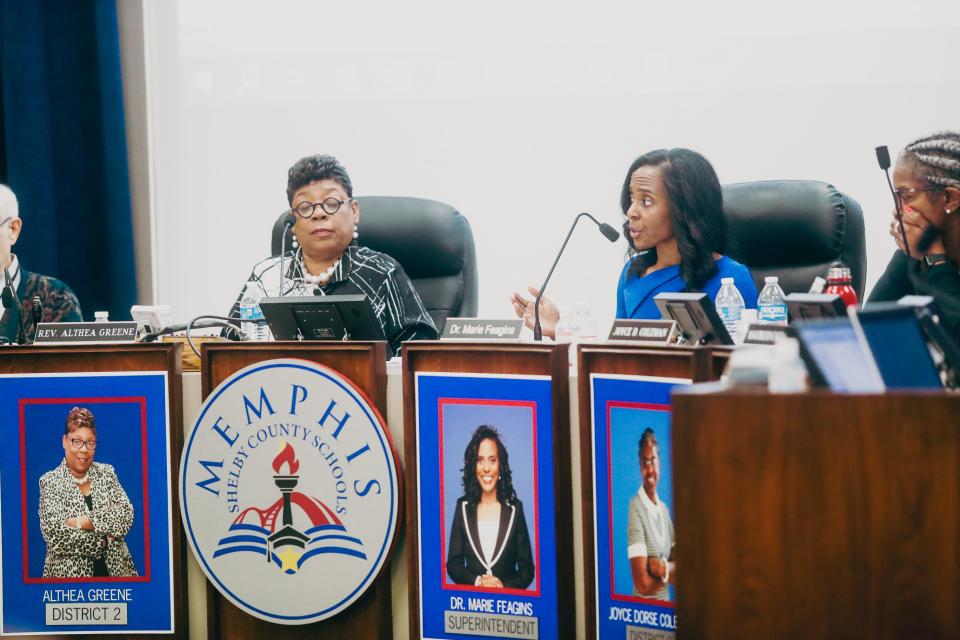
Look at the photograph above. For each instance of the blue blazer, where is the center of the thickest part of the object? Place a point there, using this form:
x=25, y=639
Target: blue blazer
x=635, y=294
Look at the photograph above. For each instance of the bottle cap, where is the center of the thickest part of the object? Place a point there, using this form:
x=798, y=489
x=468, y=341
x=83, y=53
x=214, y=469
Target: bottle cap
x=839, y=271
x=771, y=279
x=101, y=316
x=726, y=280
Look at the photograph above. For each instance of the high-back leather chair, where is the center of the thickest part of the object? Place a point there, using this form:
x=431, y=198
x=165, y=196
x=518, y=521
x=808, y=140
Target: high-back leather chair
x=794, y=229
x=431, y=241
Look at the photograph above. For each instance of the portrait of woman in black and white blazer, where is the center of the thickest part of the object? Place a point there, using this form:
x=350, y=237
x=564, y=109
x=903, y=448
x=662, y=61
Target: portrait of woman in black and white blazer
x=84, y=512
x=489, y=542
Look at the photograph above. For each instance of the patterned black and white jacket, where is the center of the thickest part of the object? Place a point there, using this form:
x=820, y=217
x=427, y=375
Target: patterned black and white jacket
x=389, y=291
x=70, y=551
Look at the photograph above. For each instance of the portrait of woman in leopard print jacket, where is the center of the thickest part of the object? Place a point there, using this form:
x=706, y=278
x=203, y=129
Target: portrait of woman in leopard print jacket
x=84, y=511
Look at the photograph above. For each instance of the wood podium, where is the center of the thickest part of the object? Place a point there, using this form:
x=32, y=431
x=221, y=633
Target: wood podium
x=364, y=364
x=124, y=358
x=694, y=363
x=817, y=515
x=490, y=359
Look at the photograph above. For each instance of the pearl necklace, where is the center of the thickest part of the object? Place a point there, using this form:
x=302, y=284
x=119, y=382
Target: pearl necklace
x=322, y=278
x=81, y=480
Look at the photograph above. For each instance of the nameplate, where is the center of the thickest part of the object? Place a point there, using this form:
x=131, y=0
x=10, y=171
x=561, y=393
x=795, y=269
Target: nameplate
x=85, y=332
x=93, y=613
x=479, y=329
x=759, y=333
x=646, y=331
x=491, y=625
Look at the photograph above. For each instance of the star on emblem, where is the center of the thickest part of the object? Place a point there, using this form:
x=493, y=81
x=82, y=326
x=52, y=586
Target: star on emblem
x=288, y=558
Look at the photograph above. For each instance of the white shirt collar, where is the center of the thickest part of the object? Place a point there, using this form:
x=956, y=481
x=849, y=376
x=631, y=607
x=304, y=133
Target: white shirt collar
x=648, y=504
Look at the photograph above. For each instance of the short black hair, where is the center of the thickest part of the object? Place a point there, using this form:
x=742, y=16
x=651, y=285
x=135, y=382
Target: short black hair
x=647, y=438
x=506, y=494
x=314, y=168
x=696, y=211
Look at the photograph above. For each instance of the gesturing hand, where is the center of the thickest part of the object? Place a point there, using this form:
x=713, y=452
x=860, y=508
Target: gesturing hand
x=549, y=314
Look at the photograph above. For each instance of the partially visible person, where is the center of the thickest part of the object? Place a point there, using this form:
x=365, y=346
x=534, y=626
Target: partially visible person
x=676, y=234
x=327, y=260
x=58, y=302
x=489, y=541
x=84, y=511
x=926, y=179
x=650, y=536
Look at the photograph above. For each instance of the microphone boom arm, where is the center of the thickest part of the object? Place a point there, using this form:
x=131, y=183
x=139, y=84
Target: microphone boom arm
x=537, y=330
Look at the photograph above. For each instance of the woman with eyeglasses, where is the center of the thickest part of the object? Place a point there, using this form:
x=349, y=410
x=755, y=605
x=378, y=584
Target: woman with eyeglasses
x=84, y=512
x=57, y=302
x=927, y=182
x=325, y=258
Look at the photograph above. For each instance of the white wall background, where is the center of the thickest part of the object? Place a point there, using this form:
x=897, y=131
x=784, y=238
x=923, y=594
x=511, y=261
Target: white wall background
x=520, y=115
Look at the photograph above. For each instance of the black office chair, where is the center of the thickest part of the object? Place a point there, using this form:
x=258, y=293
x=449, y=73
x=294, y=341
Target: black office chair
x=794, y=229
x=431, y=241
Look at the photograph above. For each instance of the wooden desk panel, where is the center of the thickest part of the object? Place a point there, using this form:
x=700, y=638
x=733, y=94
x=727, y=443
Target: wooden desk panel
x=363, y=364
x=817, y=515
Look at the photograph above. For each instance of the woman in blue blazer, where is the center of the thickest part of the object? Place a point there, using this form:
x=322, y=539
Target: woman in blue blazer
x=676, y=234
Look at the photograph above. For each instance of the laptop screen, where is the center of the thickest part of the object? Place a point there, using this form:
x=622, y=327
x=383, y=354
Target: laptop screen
x=899, y=348
x=834, y=350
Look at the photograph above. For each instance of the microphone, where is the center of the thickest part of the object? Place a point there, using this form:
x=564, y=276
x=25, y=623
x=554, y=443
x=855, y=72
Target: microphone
x=287, y=224
x=608, y=232
x=883, y=159
x=11, y=301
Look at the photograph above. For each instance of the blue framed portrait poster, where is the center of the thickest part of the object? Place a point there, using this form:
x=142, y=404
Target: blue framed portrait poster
x=85, y=515
x=487, y=553
x=633, y=515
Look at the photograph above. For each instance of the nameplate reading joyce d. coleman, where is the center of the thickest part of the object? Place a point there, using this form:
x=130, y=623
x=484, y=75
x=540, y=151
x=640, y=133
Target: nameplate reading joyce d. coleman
x=85, y=332
x=765, y=333
x=479, y=329
x=647, y=331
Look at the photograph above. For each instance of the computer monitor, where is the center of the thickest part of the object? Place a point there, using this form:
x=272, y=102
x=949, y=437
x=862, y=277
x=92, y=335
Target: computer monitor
x=837, y=356
x=337, y=317
x=945, y=347
x=696, y=318
x=813, y=306
x=899, y=346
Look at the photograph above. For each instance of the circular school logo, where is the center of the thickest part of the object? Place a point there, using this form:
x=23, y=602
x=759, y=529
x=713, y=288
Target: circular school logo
x=289, y=491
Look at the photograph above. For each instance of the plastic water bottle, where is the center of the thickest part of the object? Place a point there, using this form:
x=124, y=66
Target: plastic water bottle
x=729, y=305
x=250, y=313
x=101, y=316
x=772, y=303
x=587, y=326
x=567, y=329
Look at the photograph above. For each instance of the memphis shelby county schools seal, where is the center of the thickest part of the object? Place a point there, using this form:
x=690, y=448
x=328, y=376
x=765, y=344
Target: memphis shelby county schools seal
x=289, y=491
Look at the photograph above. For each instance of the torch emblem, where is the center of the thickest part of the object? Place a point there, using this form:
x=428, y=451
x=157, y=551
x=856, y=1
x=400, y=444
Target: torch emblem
x=256, y=530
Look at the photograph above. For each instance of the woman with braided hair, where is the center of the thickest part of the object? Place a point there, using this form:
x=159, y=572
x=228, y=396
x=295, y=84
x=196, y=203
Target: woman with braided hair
x=927, y=182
